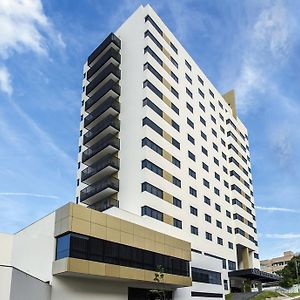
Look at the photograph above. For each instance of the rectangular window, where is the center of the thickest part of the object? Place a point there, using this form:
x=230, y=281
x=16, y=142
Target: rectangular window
x=207, y=200
x=189, y=92
x=189, y=107
x=190, y=123
x=147, y=66
x=151, y=212
x=152, y=167
x=201, y=93
x=176, y=181
x=214, y=132
x=174, y=62
x=208, y=277
x=229, y=229
x=175, y=108
x=228, y=214
x=150, y=20
x=153, y=54
x=217, y=207
x=193, y=192
x=175, y=125
x=203, y=135
x=216, y=191
x=202, y=106
x=208, y=236
x=212, y=106
x=216, y=161
x=174, y=48
x=176, y=202
x=177, y=223
x=188, y=78
x=194, y=230
x=147, y=187
x=200, y=80
x=175, y=143
x=202, y=121
x=220, y=241
x=152, y=125
x=174, y=92
x=230, y=245
x=219, y=224
x=217, y=176
x=213, y=119
x=205, y=183
x=188, y=65
x=191, y=156
x=175, y=162
x=191, y=139
x=205, y=166
x=207, y=218
x=154, y=89
x=215, y=147
x=174, y=76
x=211, y=93
x=153, y=38
x=204, y=151
x=192, y=173
x=193, y=210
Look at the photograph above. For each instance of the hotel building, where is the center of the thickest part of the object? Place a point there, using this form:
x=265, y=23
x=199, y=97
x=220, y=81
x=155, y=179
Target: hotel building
x=164, y=181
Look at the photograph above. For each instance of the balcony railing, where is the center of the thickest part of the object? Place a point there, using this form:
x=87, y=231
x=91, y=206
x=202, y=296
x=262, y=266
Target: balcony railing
x=111, y=53
x=109, y=121
x=110, y=39
x=107, y=141
x=110, y=86
x=105, y=204
x=100, y=186
x=108, y=104
x=106, y=161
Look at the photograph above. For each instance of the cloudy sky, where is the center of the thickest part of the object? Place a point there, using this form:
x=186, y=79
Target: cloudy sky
x=252, y=46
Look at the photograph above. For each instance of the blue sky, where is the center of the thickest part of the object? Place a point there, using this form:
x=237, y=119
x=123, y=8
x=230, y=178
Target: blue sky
x=252, y=46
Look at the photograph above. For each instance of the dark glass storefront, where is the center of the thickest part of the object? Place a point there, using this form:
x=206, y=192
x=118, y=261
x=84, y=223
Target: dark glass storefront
x=144, y=294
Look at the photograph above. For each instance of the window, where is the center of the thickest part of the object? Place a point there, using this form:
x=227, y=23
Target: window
x=190, y=123
x=78, y=165
x=211, y=93
x=205, y=183
x=201, y=93
x=192, y=173
x=175, y=143
x=174, y=62
x=176, y=181
x=216, y=161
x=207, y=218
x=153, y=71
x=216, y=191
x=229, y=229
x=208, y=236
x=147, y=187
x=212, y=106
x=224, y=156
x=219, y=224
x=189, y=107
x=220, y=241
x=215, y=147
x=174, y=92
x=214, y=132
x=221, y=117
x=231, y=265
x=147, y=142
x=191, y=156
x=79, y=149
x=205, y=167
x=230, y=245
x=222, y=129
x=193, y=192
x=154, y=89
x=193, y=210
x=174, y=76
x=153, y=54
x=213, y=119
x=194, y=230
x=217, y=176
x=175, y=162
x=204, y=151
x=202, y=121
x=175, y=125
x=200, y=80
x=175, y=108
x=81, y=117
x=177, y=223
x=153, y=38
x=228, y=214
x=188, y=78
x=206, y=276
x=77, y=182
x=80, y=132
x=174, y=48
x=176, y=202
x=151, y=212
x=202, y=106
x=203, y=135
x=225, y=170
x=226, y=184
x=226, y=288
x=149, y=19
x=223, y=143
x=152, y=167
x=188, y=65
x=217, y=207
x=189, y=92
x=227, y=199
x=191, y=139
x=207, y=200
x=155, y=108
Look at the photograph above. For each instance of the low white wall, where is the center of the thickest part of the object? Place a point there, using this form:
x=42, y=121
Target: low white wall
x=6, y=243
x=5, y=282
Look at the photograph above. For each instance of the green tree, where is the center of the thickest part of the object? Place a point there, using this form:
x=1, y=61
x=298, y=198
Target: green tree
x=159, y=278
x=289, y=273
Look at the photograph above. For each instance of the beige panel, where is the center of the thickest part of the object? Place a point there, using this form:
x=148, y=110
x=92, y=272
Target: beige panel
x=63, y=211
x=98, y=231
x=132, y=273
x=168, y=70
x=113, y=222
x=167, y=176
x=112, y=270
x=166, y=53
x=81, y=226
x=113, y=235
x=126, y=238
x=245, y=258
x=127, y=226
x=167, y=137
x=167, y=155
x=78, y=266
x=230, y=99
x=98, y=217
x=166, y=84
x=159, y=237
x=166, y=39
x=60, y=266
x=97, y=268
x=167, y=197
x=167, y=118
x=139, y=230
x=138, y=242
x=80, y=212
x=168, y=219
x=167, y=100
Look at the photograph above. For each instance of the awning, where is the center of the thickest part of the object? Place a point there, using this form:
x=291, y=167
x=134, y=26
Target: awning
x=254, y=274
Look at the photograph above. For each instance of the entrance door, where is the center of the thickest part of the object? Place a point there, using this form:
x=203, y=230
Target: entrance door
x=145, y=294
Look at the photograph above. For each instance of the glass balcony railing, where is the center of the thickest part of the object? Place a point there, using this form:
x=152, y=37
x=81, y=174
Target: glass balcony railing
x=110, y=86
x=98, y=187
x=110, y=70
x=112, y=54
x=106, y=142
x=106, y=161
x=109, y=121
x=110, y=103
x=110, y=39
x=105, y=204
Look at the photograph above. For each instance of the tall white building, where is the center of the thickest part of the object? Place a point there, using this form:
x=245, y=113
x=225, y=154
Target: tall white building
x=164, y=182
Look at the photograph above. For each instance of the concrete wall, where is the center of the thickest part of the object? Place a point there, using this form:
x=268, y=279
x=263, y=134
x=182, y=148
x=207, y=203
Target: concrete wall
x=5, y=282
x=6, y=244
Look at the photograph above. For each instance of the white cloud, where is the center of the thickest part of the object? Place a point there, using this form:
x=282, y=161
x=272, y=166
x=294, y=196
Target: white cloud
x=28, y=194
x=280, y=235
x=277, y=209
x=5, y=81
x=24, y=26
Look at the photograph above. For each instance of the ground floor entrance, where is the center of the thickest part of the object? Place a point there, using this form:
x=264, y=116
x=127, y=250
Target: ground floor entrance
x=146, y=294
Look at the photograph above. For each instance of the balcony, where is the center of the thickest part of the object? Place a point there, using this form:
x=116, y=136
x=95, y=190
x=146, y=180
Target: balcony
x=107, y=145
x=107, y=165
x=110, y=125
x=111, y=56
x=99, y=190
x=105, y=204
x=110, y=106
x=110, y=40
x=110, y=89
x=110, y=72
